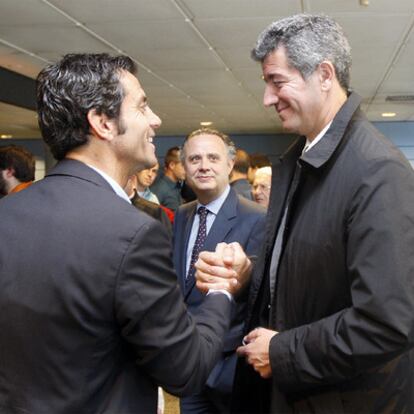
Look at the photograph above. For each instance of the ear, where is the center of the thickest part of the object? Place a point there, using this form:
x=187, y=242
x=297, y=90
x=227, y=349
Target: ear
x=101, y=126
x=9, y=172
x=327, y=74
x=230, y=163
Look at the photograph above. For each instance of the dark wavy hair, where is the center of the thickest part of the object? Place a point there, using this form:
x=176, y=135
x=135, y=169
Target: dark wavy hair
x=20, y=160
x=70, y=88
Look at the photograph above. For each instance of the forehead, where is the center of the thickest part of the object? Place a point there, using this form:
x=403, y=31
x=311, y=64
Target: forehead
x=204, y=143
x=262, y=178
x=276, y=63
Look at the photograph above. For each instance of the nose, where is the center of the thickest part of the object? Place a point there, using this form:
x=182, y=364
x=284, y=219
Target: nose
x=154, y=119
x=269, y=97
x=204, y=164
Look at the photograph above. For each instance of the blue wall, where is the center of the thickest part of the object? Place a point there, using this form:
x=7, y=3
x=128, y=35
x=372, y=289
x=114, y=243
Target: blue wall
x=401, y=134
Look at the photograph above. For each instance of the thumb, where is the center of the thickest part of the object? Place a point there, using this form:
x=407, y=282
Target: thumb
x=228, y=255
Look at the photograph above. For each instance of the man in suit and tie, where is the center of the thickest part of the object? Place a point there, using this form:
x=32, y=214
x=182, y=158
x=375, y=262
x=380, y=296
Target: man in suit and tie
x=92, y=316
x=218, y=215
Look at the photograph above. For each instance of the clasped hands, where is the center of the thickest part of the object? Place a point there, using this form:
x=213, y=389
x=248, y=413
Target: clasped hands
x=229, y=268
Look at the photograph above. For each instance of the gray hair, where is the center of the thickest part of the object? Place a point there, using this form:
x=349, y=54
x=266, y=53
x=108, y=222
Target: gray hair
x=231, y=148
x=308, y=40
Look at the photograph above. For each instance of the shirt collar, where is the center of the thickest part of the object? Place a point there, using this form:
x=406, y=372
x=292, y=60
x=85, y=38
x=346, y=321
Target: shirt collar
x=115, y=186
x=310, y=144
x=215, y=205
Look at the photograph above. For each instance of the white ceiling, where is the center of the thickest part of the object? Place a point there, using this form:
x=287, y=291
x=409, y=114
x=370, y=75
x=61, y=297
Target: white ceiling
x=194, y=55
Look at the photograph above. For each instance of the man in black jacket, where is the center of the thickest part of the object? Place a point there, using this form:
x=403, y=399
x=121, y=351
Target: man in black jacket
x=331, y=304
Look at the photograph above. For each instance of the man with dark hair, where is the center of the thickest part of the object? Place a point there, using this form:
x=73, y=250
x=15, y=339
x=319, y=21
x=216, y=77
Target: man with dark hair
x=238, y=176
x=257, y=160
x=218, y=215
x=168, y=187
x=330, y=326
x=17, y=169
x=93, y=318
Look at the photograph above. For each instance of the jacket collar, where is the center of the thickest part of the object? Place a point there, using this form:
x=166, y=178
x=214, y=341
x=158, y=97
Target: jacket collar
x=318, y=155
x=74, y=168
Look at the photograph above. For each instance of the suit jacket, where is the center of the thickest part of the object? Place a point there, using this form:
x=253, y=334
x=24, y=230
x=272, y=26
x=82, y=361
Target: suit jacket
x=243, y=188
x=343, y=303
x=91, y=305
x=153, y=209
x=238, y=220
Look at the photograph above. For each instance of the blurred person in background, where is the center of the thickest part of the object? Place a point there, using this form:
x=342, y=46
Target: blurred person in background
x=167, y=188
x=257, y=160
x=17, y=169
x=144, y=180
x=261, y=185
x=238, y=175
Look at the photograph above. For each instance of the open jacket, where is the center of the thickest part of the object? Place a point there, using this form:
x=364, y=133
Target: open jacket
x=344, y=296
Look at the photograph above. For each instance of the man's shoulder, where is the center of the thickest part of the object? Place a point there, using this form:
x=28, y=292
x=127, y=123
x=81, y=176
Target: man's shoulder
x=246, y=206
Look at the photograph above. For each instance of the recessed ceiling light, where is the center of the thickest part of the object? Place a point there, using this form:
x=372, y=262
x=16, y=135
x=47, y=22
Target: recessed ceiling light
x=364, y=2
x=6, y=136
x=205, y=123
x=388, y=114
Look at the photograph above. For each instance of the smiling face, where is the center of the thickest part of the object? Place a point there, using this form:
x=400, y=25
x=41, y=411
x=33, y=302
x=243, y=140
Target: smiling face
x=298, y=102
x=207, y=166
x=137, y=125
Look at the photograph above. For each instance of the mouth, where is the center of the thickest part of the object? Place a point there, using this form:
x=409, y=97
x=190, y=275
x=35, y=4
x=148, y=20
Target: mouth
x=203, y=177
x=280, y=109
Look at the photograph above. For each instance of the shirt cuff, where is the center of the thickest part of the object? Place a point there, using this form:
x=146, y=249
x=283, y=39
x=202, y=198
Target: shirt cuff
x=224, y=291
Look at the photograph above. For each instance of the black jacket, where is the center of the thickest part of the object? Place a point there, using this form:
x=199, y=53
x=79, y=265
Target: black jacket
x=344, y=296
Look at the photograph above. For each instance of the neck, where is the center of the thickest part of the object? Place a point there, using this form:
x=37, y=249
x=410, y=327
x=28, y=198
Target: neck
x=104, y=161
x=140, y=188
x=11, y=184
x=207, y=197
x=333, y=103
x=170, y=175
x=237, y=175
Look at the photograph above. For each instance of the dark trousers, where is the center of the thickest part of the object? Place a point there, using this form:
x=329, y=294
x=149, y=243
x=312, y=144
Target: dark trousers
x=209, y=401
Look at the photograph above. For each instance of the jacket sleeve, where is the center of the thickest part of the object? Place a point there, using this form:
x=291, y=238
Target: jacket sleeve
x=380, y=266
x=176, y=350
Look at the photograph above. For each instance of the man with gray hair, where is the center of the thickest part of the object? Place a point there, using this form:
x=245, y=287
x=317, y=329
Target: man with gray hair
x=331, y=304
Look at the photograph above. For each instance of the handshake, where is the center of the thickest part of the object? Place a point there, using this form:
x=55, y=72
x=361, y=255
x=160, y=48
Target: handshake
x=228, y=268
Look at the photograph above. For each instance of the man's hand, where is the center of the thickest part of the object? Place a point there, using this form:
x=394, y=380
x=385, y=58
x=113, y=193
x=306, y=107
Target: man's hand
x=227, y=268
x=256, y=350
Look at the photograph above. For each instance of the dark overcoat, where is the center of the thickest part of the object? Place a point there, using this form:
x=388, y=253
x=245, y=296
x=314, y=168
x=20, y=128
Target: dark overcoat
x=343, y=298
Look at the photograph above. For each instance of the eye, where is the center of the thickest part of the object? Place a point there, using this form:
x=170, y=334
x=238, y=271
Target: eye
x=278, y=84
x=194, y=158
x=213, y=157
